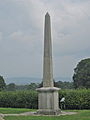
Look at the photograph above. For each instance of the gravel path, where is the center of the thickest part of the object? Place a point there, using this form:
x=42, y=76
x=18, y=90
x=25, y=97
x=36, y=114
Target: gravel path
x=1, y=118
x=34, y=114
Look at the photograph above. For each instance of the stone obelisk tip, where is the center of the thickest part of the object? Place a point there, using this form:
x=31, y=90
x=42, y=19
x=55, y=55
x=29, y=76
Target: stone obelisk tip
x=47, y=14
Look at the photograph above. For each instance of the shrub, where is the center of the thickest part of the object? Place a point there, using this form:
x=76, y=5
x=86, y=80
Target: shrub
x=18, y=99
x=74, y=99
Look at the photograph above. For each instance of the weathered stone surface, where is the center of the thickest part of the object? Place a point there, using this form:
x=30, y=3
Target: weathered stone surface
x=49, y=112
x=48, y=99
x=47, y=64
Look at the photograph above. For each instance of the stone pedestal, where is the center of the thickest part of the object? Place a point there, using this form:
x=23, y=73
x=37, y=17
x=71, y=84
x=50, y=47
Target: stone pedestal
x=48, y=101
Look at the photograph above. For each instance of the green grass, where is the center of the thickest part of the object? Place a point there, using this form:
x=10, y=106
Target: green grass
x=81, y=115
x=14, y=110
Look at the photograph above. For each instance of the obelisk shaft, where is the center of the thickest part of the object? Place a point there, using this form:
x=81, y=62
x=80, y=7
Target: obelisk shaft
x=47, y=65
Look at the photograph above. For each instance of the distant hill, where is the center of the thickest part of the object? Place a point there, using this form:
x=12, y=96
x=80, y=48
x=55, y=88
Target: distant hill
x=28, y=80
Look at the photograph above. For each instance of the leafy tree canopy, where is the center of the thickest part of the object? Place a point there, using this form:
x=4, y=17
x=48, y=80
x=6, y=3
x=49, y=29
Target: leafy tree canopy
x=2, y=83
x=32, y=86
x=81, y=75
x=11, y=87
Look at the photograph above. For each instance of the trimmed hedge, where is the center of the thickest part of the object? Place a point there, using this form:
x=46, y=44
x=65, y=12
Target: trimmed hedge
x=19, y=99
x=74, y=99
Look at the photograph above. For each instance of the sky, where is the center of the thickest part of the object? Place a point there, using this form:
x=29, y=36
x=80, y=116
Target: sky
x=22, y=31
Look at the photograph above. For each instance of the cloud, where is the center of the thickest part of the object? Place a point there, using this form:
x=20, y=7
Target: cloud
x=21, y=35
x=72, y=34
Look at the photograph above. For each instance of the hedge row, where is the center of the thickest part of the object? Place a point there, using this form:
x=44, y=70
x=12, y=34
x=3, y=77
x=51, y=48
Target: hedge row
x=19, y=99
x=74, y=99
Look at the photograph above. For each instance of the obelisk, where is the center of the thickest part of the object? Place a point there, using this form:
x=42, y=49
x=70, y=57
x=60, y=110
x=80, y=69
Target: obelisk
x=47, y=64
x=48, y=99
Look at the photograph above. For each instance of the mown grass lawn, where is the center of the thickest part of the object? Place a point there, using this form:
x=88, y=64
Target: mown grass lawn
x=81, y=115
x=14, y=110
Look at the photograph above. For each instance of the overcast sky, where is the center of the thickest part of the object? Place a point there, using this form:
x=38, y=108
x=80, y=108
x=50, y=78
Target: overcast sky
x=21, y=36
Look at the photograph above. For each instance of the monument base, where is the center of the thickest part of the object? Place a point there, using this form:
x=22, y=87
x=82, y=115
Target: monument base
x=48, y=112
x=48, y=101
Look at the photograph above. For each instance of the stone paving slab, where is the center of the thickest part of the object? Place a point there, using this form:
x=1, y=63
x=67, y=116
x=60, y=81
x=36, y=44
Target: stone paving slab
x=35, y=114
x=1, y=118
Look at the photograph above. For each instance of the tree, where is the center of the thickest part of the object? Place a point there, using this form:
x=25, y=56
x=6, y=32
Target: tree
x=11, y=87
x=63, y=84
x=32, y=86
x=2, y=83
x=81, y=75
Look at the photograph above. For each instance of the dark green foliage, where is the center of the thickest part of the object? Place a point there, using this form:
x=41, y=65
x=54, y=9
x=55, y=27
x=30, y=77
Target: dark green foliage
x=78, y=99
x=59, y=84
x=18, y=99
x=81, y=75
x=11, y=87
x=32, y=86
x=40, y=85
x=21, y=87
x=2, y=84
x=64, y=85
x=74, y=99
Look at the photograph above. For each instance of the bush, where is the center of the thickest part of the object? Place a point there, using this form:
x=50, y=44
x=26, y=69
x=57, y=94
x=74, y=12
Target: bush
x=18, y=99
x=74, y=99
